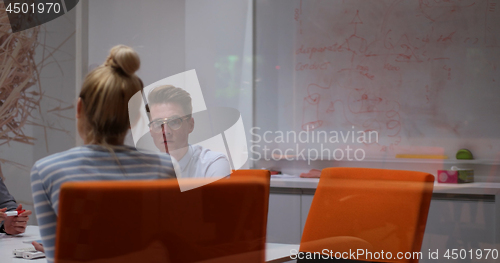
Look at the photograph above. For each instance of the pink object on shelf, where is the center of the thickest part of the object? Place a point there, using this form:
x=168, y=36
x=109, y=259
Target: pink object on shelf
x=455, y=176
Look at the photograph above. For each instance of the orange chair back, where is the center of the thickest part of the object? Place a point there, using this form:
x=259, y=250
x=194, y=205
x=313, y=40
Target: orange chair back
x=254, y=173
x=152, y=221
x=374, y=209
x=262, y=174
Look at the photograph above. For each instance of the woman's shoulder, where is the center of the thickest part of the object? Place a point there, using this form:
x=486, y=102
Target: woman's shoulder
x=129, y=150
x=60, y=156
x=99, y=155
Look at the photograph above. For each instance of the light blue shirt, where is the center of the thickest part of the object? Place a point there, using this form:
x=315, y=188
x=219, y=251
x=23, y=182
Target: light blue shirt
x=199, y=162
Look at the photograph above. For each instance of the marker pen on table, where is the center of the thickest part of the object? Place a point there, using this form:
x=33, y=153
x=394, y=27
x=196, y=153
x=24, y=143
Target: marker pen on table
x=14, y=213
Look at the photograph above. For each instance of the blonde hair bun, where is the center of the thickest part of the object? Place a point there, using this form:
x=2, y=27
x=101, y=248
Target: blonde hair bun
x=124, y=59
x=106, y=92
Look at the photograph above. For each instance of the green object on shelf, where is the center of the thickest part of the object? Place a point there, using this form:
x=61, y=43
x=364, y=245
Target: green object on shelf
x=464, y=154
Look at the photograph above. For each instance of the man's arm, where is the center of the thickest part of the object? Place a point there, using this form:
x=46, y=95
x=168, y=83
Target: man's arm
x=11, y=225
x=6, y=199
x=14, y=225
x=218, y=168
x=7, y=203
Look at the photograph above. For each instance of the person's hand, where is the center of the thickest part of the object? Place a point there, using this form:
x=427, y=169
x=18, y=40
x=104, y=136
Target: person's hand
x=2, y=214
x=38, y=246
x=17, y=224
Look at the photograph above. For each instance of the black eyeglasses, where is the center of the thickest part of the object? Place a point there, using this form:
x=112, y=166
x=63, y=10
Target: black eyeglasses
x=173, y=122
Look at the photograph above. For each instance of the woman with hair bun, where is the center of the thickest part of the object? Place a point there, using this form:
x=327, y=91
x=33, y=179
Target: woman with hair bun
x=103, y=120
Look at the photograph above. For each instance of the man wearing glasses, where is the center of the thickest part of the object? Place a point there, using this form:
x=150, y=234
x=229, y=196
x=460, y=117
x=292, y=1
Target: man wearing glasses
x=171, y=123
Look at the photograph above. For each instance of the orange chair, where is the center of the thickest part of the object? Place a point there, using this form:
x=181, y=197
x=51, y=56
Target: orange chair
x=152, y=221
x=255, y=173
x=373, y=210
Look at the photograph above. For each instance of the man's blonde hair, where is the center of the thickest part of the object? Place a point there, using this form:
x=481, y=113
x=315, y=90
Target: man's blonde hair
x=106, y=92
x=170, y=94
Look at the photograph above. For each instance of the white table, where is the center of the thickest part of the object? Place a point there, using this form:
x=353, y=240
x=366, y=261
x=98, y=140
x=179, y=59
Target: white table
x=9, y=243
x=275, y=252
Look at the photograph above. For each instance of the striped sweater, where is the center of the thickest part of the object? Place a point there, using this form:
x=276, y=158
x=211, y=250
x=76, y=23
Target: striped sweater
x=87, y=163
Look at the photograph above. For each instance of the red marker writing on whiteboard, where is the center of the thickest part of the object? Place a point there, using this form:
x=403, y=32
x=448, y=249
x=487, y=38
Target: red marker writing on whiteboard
x=14, y=213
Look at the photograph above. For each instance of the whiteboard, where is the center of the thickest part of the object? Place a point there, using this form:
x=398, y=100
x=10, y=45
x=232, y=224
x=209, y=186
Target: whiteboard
x=423, y=74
